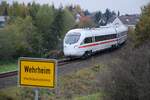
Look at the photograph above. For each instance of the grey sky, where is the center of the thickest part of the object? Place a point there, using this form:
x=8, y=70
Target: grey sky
x=124, y=6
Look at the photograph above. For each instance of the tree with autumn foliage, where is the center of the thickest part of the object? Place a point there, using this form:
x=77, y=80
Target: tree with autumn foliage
x=143, y=26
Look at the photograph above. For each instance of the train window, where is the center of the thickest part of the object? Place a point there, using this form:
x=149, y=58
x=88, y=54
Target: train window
x=88, y=40
x=99, y=38
x=113, y=36
x=105, y=37
x=72, y=38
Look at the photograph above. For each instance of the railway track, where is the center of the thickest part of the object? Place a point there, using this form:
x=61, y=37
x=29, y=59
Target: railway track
x=59, y=63
x=14, y=73
x=8, y=74
x=65, y=66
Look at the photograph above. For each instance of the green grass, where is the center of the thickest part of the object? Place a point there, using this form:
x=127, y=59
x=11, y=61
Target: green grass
x=8, y=67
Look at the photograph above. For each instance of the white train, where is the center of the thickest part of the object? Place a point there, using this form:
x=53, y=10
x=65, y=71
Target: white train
x=84, y=42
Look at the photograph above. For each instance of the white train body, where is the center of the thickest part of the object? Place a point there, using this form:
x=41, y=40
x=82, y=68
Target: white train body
x=78, y=42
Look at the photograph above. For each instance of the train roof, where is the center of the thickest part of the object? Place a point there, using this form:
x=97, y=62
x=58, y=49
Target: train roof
x=103, y=30
x=94, y=31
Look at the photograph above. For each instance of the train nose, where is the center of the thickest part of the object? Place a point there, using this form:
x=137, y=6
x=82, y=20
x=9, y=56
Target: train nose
x=68, y=50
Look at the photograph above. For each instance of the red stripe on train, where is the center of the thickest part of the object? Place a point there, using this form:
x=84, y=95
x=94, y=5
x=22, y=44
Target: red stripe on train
x=95, y=44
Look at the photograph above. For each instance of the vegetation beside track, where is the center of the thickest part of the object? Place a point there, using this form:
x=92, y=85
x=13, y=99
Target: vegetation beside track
x=8, y=67
x=78, y=85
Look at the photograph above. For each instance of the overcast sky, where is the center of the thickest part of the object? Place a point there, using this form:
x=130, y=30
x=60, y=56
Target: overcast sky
x=124, y=6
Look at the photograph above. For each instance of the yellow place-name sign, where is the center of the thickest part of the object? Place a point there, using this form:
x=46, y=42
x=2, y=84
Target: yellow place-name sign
x=37, y=72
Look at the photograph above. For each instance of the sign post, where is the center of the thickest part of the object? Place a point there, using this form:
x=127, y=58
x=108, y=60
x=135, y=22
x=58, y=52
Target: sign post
x=36, y=72
x=36, y=94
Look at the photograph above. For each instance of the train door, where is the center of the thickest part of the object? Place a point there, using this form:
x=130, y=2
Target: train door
x=99, y=40
x=94, y=44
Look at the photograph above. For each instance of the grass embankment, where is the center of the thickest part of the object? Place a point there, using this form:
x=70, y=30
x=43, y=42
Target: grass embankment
x=6, y=66
x=81, y=85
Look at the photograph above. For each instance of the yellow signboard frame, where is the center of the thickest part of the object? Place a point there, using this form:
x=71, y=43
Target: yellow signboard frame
x=47, y=76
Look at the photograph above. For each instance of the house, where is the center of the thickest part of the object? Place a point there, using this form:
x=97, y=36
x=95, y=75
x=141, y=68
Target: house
x=128, y=20
x=2, y=21
x=78, y=16
x=103, y=21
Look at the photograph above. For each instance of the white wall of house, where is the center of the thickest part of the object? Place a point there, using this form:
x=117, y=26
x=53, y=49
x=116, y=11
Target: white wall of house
x=117, y=21
x=2, y=21
x=78, y=18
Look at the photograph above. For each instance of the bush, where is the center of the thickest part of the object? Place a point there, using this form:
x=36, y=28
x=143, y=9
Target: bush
x=143, y=26
x=7, y=48
x=55, y=54
x=128, y=75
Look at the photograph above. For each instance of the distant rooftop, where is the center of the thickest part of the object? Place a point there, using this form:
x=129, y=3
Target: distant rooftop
x=129, y=19
x=126, y=19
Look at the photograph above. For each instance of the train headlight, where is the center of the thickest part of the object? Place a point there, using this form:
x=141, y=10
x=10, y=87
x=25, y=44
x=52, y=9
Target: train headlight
x=75, y=46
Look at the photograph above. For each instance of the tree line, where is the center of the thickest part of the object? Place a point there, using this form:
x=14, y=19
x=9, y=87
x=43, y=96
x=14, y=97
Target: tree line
x=32, y=29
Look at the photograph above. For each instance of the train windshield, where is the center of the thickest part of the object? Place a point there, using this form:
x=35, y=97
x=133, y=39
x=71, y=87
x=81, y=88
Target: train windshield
x=72, y=38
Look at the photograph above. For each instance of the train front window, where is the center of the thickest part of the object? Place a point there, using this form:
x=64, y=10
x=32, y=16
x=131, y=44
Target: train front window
x=72, y=38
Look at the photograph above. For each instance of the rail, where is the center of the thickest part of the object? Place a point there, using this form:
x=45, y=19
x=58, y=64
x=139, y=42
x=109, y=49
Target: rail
x=14, y=73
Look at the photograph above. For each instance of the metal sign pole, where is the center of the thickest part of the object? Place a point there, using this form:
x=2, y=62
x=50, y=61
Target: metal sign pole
x=36, y=94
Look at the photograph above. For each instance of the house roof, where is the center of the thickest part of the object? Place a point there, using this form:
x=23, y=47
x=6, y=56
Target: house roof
x=126, y=19
x=129, y=19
